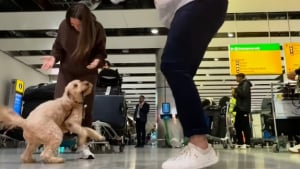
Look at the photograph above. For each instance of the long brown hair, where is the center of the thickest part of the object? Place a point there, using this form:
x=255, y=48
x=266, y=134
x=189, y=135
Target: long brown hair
x=88, y=31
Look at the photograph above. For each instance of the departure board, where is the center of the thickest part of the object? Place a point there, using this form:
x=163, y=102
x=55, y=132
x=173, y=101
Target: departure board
x=255, y=59
x=292, y=56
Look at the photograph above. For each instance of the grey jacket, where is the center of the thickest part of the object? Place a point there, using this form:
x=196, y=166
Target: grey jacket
x=243, y=96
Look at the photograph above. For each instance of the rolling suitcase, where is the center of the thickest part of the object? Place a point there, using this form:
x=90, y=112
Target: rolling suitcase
x=110, y=109
x=110, y=117
x=33, y=96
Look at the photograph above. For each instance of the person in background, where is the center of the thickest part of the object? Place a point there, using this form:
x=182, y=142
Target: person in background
x=243, y=110
x=106, y=65
x=140, y=117
x=231, y=116
x=192, y=24
x=80, y=49
x=108, y=76
x=232, y=104
x=292, y=76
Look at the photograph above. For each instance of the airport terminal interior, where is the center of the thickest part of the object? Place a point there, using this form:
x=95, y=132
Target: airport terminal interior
x=258, y=38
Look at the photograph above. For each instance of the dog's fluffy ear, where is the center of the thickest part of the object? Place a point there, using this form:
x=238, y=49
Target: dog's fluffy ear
x=74, y=95
x=68, y=94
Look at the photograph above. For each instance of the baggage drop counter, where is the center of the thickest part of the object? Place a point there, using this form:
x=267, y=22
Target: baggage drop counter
x=286, y=113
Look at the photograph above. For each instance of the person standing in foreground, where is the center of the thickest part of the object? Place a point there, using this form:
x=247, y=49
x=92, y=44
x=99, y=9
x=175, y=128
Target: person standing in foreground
x=140, y=116
x=192, y=24
x=80, y=48
x=243, y=110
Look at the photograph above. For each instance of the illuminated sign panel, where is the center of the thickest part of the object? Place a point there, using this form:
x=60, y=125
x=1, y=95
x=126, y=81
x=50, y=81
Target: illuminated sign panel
x=255, y=59
x=292, y=56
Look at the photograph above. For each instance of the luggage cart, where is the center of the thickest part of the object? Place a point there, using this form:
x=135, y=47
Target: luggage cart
x=226, y=141
x=286, y=113
x=106, y=130
x=256, y=130
x=9, y=142
x=110, y=116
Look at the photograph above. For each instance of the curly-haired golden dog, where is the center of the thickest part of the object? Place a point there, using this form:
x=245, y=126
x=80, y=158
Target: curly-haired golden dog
x=46, y=123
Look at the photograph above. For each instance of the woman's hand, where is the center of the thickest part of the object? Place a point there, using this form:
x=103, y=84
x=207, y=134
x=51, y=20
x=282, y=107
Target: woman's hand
x=48, y=62
x=94, y=64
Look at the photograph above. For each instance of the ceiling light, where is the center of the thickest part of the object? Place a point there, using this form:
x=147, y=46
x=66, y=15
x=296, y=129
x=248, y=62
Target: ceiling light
x=216, y=59
x=207, y=74
x=154, y=31
x=125, y=51
x=51, y=33
x=230, y=35
x=92, y=4
x=116, y=1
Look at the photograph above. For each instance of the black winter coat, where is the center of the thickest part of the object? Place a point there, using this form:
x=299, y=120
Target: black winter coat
x=243, y=96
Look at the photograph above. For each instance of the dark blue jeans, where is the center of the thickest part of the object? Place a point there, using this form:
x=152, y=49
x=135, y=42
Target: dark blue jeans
x=192, y=28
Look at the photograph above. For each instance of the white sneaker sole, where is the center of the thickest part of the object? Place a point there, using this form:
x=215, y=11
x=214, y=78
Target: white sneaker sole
x=210, y=163
x=90, y=157
x=294, y=151
x=207, y=164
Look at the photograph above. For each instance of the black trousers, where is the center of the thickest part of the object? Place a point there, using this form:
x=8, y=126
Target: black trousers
x=192, y=28
x=242, y=125
x=140, y=132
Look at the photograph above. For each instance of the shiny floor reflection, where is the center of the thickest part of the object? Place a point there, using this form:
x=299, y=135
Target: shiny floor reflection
x=151, y=158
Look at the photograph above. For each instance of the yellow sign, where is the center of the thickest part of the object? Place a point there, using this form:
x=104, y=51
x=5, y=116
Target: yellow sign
x=292, y=56
x=20, y=86
x=255, y=59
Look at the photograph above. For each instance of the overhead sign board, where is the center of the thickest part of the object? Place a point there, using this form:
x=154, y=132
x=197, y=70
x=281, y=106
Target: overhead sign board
x=255, y=59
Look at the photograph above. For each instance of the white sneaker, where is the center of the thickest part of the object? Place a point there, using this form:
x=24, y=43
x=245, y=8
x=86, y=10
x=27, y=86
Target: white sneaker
x=192, y=157
x=85, y=153
x=237, y=146
x=295, y=149
x=244, y=146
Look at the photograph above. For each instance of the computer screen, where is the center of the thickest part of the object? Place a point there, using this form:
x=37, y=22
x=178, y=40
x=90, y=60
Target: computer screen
x=166, y=108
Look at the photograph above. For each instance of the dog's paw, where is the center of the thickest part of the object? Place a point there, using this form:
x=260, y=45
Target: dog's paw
x=54, y=160
x=101, y=138
x=28, y=160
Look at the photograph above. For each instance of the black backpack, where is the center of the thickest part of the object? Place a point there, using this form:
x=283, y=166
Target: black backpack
x=223, y=100
x=109, y=77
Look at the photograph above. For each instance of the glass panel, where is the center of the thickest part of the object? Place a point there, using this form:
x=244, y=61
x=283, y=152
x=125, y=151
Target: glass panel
x=278, y=16
x=251, y=16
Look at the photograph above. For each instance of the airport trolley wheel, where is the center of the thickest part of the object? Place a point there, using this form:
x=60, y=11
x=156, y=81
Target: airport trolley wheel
x=121, y=148
x=275, y=148
x=225, y=145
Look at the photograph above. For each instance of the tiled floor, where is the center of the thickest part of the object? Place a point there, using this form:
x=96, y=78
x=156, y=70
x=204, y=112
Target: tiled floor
x=151, y=158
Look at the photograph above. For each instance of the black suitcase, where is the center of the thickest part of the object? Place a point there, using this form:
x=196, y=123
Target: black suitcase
x=116, y=90
x=35, y=95
x=219, y=126
x=110, y=109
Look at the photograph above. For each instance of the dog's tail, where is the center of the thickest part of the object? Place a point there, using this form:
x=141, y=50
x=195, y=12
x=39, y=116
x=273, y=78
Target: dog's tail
x=9, y=118
x=94, y=134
